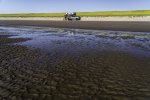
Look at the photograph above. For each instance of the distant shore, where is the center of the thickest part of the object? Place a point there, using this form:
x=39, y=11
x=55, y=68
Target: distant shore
x=113, y=18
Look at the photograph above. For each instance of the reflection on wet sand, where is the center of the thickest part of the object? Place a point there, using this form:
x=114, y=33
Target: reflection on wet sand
x=73, y=64
x=74, y=40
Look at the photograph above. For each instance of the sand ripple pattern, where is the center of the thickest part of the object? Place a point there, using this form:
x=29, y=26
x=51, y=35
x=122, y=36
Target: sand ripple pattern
x=26, y=74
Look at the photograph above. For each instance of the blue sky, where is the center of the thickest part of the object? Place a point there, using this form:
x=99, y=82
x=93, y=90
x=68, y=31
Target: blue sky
x=44, y=6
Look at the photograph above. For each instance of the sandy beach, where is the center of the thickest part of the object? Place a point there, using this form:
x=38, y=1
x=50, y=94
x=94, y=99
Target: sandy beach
x=74, y=50
x=136, y=26
x=27, y=73
x=117, y=18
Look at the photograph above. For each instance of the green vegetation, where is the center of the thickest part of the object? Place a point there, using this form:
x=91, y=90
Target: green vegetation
x=86, y=14
x=33, y=15
x=116, y=13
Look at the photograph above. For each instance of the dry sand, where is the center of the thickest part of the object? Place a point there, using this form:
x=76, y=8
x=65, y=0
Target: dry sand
x=117, y=18
x=139, y=26
x=27, y=74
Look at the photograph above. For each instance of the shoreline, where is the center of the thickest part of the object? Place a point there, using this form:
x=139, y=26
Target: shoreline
x=109, y=18
x=134, y=26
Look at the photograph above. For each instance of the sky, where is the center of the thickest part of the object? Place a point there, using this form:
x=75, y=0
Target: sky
x=47, y=6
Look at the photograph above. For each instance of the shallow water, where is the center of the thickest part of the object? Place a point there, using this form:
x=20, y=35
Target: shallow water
x=77, y=41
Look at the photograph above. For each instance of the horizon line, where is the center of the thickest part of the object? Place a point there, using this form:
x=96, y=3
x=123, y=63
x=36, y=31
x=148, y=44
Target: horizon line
x=75, y=11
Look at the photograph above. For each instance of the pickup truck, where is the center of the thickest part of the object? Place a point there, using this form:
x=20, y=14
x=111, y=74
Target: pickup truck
x=71, y=16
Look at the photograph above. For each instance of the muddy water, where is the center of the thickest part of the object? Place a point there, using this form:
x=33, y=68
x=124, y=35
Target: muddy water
x=77, y=41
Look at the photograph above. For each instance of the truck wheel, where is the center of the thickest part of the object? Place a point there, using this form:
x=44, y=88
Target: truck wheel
x=64, y=19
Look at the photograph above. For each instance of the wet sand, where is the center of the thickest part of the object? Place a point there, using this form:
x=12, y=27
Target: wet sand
x=5, y=40
x=99, y=25
x=27, y=74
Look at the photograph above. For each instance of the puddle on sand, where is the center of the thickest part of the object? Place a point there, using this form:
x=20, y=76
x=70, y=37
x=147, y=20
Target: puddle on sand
x=76, y=41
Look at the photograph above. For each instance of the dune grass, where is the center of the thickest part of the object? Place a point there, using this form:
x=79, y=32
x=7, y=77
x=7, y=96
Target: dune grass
x=116, y=13
x=86, y=14
x=34, y=15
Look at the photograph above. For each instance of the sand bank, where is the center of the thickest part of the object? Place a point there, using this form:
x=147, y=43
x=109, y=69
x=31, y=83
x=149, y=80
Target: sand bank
x=117, y=18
